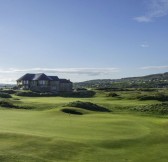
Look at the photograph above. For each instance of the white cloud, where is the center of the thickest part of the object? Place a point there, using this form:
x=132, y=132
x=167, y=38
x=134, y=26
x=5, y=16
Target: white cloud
x=154, y=67
x=10, y=75
x=144, y=45
x=156, y=8
x=143, y=19
x=86, y=71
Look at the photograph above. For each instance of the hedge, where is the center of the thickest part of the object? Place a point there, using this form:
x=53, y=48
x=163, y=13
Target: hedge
x=5, y=95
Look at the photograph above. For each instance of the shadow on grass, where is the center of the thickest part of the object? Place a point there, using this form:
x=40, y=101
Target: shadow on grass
x=71, y=111
x=88, y=106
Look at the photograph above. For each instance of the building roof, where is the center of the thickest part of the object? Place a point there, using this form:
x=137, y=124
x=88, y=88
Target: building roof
x=64, y=81
x=27, y=77
x=42, y=76
x=39, y=76
x=54, y=78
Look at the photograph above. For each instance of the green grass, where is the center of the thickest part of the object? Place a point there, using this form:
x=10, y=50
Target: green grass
x=54, y=136
x=46, y=134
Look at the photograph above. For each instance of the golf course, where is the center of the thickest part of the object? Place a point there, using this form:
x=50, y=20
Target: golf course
x=83, y=80
x=38, y=130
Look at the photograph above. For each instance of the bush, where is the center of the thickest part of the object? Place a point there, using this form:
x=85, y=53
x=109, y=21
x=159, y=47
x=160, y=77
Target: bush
x=35, y=94
x=146, y=89
x=81, y=89
x=112, y=89
x=155, y=108
x=26, y=93
x=88, y=106
x=5, y=95
x=111, y=94
x=80, y=94
x=159, y=97
x=63, y=94
x=9, y=91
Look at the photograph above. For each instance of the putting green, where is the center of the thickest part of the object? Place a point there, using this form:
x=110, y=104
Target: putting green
x=51, y=136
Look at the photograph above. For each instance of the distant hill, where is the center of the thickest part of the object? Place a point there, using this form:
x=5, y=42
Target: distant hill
x=7, y=85
x=161, y=76
x=148, y=81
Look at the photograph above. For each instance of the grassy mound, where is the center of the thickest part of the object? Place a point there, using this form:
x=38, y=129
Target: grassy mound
x=7, y=104
x=88, y=106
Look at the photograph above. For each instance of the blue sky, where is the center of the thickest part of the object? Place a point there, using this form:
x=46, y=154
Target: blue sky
x=83, y=39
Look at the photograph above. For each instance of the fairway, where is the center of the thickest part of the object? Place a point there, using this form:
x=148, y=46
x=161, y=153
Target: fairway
x=51, y=136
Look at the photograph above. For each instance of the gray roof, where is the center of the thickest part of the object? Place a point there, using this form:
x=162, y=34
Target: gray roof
x=27, y=77
x=39, y=76
x=42, y=76
x=54, y=78
x=65, y=81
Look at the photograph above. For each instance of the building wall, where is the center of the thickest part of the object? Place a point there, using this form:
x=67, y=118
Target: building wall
x=23, y=84
x=54, y=86
x=65, y=87
x=45, y=86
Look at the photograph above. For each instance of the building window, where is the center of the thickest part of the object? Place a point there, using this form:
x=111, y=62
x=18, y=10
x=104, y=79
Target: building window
x=42, y=82
x=25, y=82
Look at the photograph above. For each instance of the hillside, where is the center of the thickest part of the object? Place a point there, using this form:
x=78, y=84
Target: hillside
x=148, y=81
x=7, y=85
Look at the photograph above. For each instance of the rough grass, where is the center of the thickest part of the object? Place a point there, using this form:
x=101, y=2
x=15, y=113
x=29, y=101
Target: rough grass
x=155, y=108
x=88, y=106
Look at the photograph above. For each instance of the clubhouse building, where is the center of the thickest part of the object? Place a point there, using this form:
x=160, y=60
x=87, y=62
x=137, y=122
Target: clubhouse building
x=43, y=83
